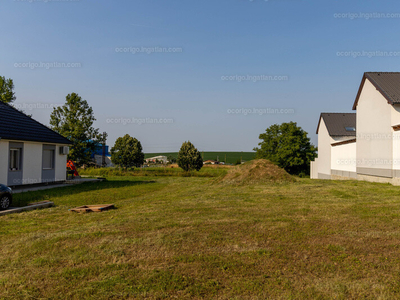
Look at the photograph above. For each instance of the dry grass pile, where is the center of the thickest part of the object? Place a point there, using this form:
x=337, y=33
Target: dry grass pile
x=257, y=171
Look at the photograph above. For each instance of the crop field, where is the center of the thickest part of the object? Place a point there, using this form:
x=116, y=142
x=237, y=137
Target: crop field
x=197, y=238
x=231, y=157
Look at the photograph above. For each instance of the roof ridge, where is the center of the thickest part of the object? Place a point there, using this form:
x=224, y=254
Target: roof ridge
x=337, y=113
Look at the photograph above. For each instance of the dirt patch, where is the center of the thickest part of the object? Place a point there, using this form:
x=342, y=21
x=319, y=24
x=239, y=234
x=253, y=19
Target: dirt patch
x=256, y=171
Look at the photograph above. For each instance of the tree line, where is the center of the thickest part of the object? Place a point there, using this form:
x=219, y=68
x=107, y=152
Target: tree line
x=287, y=145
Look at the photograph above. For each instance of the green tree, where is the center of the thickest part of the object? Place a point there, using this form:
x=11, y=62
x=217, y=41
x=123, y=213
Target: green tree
x=171, y=159
x=288, y=146
x=74, y=120
x=189, y=158
x=127, y=152
x=7, y=94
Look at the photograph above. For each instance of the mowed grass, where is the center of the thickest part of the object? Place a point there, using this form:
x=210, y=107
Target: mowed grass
x=191, y=238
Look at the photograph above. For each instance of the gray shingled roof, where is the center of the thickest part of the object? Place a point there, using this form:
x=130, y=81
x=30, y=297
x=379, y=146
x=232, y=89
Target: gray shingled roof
x=336, y=123
x=387, y=83
x=15, y=125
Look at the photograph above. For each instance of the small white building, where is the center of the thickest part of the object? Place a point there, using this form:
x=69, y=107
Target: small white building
x=30, y=153
x=155, y=159
x=336, y=146
x=376, y=143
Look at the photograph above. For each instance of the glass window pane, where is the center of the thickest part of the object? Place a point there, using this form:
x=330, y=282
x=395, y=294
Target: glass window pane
x=48, y=159
x=15, y=158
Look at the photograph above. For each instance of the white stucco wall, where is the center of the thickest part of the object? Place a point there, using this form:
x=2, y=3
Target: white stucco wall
x=324, y=150
x=374, y=132
x=395, y=113
x=32, y=163
x=3, y=161
x=61, y=165
x=314, y=169
x=343, y=158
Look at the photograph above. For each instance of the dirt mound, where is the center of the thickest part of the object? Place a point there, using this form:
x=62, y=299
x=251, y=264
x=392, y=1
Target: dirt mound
x=256, y=171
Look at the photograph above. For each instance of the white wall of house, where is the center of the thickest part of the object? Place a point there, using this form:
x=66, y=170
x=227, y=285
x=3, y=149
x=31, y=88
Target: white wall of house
x=314, y=169
x=61, y=165
x=324, y=152
x=396, y=139
x=3, y=161
x=343, y=158
x=374, y=133
x=32, y=163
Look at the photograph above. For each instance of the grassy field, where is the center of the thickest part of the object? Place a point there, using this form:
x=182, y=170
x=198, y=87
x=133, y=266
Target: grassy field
x=231, y=157
x=171, y=170
x=192, y=238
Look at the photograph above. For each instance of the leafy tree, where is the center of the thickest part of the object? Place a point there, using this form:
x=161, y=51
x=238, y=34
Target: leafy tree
x=288, y=146
x=7, y=94
x=74, y=120
x=189, y=158
x=171, y=159
x=127, y=152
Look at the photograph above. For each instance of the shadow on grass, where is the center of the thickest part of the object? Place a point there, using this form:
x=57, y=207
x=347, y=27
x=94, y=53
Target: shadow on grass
x=22, y=199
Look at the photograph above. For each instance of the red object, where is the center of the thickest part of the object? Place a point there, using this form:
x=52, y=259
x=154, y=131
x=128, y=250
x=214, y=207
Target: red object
x=71, y=165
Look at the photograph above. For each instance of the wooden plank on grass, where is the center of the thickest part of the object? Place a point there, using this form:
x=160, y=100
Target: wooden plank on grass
x=93, y=208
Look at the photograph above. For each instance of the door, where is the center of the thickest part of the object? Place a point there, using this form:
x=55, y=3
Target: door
x=48, y=163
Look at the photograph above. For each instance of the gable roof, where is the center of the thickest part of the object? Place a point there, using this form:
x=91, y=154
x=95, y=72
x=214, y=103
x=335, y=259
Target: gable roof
x=387, y=83
x=336, y=123
x=15, y=125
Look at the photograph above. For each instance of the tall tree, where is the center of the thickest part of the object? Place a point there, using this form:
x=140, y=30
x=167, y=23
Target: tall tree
x=74, y=120
x=127, y=152
x=288, y=146
x=7, y=94
x=189, y=158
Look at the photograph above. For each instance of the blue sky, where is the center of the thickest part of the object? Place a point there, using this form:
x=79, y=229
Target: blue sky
x=195, y=88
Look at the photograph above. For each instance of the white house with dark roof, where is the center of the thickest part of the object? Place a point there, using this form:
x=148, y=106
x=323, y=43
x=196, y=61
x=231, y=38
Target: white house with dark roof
x=30, y=152
x=336, y=146
x=377, y=140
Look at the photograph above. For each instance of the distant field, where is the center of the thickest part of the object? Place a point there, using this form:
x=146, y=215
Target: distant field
x=231, y=157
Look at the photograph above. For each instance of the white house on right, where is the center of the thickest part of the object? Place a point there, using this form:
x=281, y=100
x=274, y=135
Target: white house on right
x=375, y=151
x=377, y=107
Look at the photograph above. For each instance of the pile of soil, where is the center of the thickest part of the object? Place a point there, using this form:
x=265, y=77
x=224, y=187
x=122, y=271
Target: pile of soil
x=257, y=171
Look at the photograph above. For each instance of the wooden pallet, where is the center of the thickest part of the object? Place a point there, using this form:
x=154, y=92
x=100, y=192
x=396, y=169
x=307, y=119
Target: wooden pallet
x=93, y=208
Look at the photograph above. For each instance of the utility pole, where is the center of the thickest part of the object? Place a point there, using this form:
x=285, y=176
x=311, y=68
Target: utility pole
x=104, y=140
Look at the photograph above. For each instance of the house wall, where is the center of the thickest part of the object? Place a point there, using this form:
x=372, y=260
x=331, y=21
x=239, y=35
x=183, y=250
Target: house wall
x=374, y=133
x=314, y=169
x=395, y=117
x=61, y=165
x=32, y=163
x=324, y=152
x=344, y=161
x=3, y=161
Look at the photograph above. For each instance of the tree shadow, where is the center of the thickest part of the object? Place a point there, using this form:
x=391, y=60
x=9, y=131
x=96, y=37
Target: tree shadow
x=23, y=198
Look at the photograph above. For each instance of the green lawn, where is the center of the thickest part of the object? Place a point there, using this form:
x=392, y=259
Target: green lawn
x=192, y=238
x=231, y=157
